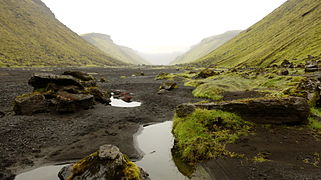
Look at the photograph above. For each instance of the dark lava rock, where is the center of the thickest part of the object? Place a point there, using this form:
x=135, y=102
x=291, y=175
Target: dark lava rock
x=29, y=104
x=290, y=110
x=41, y=80
x=161, y=91
x=99, y=95
x=168, y=85
x=287, y=64
x=183, y=110
x=284, y=72
x=2, y=114
x=311, y=66
x=66, y=102
x=80, y=75
x=107, y=163
x=125, y=96
x=205, y=73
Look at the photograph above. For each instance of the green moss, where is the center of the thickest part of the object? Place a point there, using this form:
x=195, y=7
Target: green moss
x=82, y=165
x=131, y=171
x=290, y=32
x=260, y=158
x=205, y=133
x=208, y=91
x=314, y=124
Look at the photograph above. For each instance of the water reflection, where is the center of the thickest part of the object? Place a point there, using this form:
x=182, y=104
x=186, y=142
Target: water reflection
x=156, y=142
x=120, y=103
x=42, y=173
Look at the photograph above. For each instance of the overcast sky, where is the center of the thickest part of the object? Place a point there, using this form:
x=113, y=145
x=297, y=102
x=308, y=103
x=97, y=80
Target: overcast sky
x=159, y=26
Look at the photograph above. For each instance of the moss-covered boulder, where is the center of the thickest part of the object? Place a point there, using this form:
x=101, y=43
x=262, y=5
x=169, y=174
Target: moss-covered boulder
x=288, y=110
x=29, y=104
x=41, y=80
x=107, y=163
x=70, y=92
x=205, y=73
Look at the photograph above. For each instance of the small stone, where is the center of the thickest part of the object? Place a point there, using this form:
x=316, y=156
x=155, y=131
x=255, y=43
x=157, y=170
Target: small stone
x=108, y=151
x=284, y=72
x=168, y=85
x=162, y=91
x=2, y=114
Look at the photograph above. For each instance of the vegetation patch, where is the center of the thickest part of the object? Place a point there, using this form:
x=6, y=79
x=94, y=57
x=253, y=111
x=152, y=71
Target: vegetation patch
x=260, y=157
x=268, y=82
x=205, y=133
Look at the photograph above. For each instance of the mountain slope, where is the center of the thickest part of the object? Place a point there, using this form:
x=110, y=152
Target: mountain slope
x=206, y=46
x=292, y=31
x=106, y=44
x=30, y=35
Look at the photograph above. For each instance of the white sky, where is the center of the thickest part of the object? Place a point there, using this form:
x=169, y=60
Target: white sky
x=160, y=26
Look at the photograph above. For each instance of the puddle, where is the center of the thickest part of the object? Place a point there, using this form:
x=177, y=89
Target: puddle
x=156, y=142
x=42, y=173
x=120, y=103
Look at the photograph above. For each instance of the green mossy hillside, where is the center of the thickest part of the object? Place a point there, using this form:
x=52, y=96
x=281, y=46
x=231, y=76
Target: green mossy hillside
x=32, y=36
x=292, y=31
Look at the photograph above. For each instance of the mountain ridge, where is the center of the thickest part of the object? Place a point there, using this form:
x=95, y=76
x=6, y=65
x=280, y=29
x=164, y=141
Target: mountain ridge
x=205, y=46
x=32, y=36
x=292, y=31
x=107, y=45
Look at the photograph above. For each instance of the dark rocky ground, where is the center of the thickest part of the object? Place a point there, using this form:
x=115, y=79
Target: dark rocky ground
x=31, y=141
x=28, y=141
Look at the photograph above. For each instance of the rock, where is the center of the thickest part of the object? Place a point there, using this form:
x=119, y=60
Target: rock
x=168, y=85
x=103, y=79
x=66, y=102
x=161, y=91
x=300, y=65
x=205, y=73
x=80, y=75
x=290, y=110
x=107, y=163
x=2, y=114
x=183, y=110
x=125, y=96
x=311, y=66
x=99, y=95
x=284, y=72
x=41, y=80
x=29, y=104
x=287, y=64
x=274, y=66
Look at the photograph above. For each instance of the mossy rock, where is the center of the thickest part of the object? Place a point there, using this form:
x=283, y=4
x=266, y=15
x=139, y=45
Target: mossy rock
x=107, y=163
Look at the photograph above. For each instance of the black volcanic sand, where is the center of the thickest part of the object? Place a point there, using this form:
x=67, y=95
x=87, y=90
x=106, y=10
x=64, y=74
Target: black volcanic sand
x=32, y=141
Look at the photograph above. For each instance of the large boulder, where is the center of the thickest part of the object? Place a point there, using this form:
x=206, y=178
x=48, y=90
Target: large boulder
x=107, y=163
x=67, y=102
x=29, y=104
x=80, y=75
x=99, y=95
x=41, y=80
x=290, y=110
x=205, y=73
